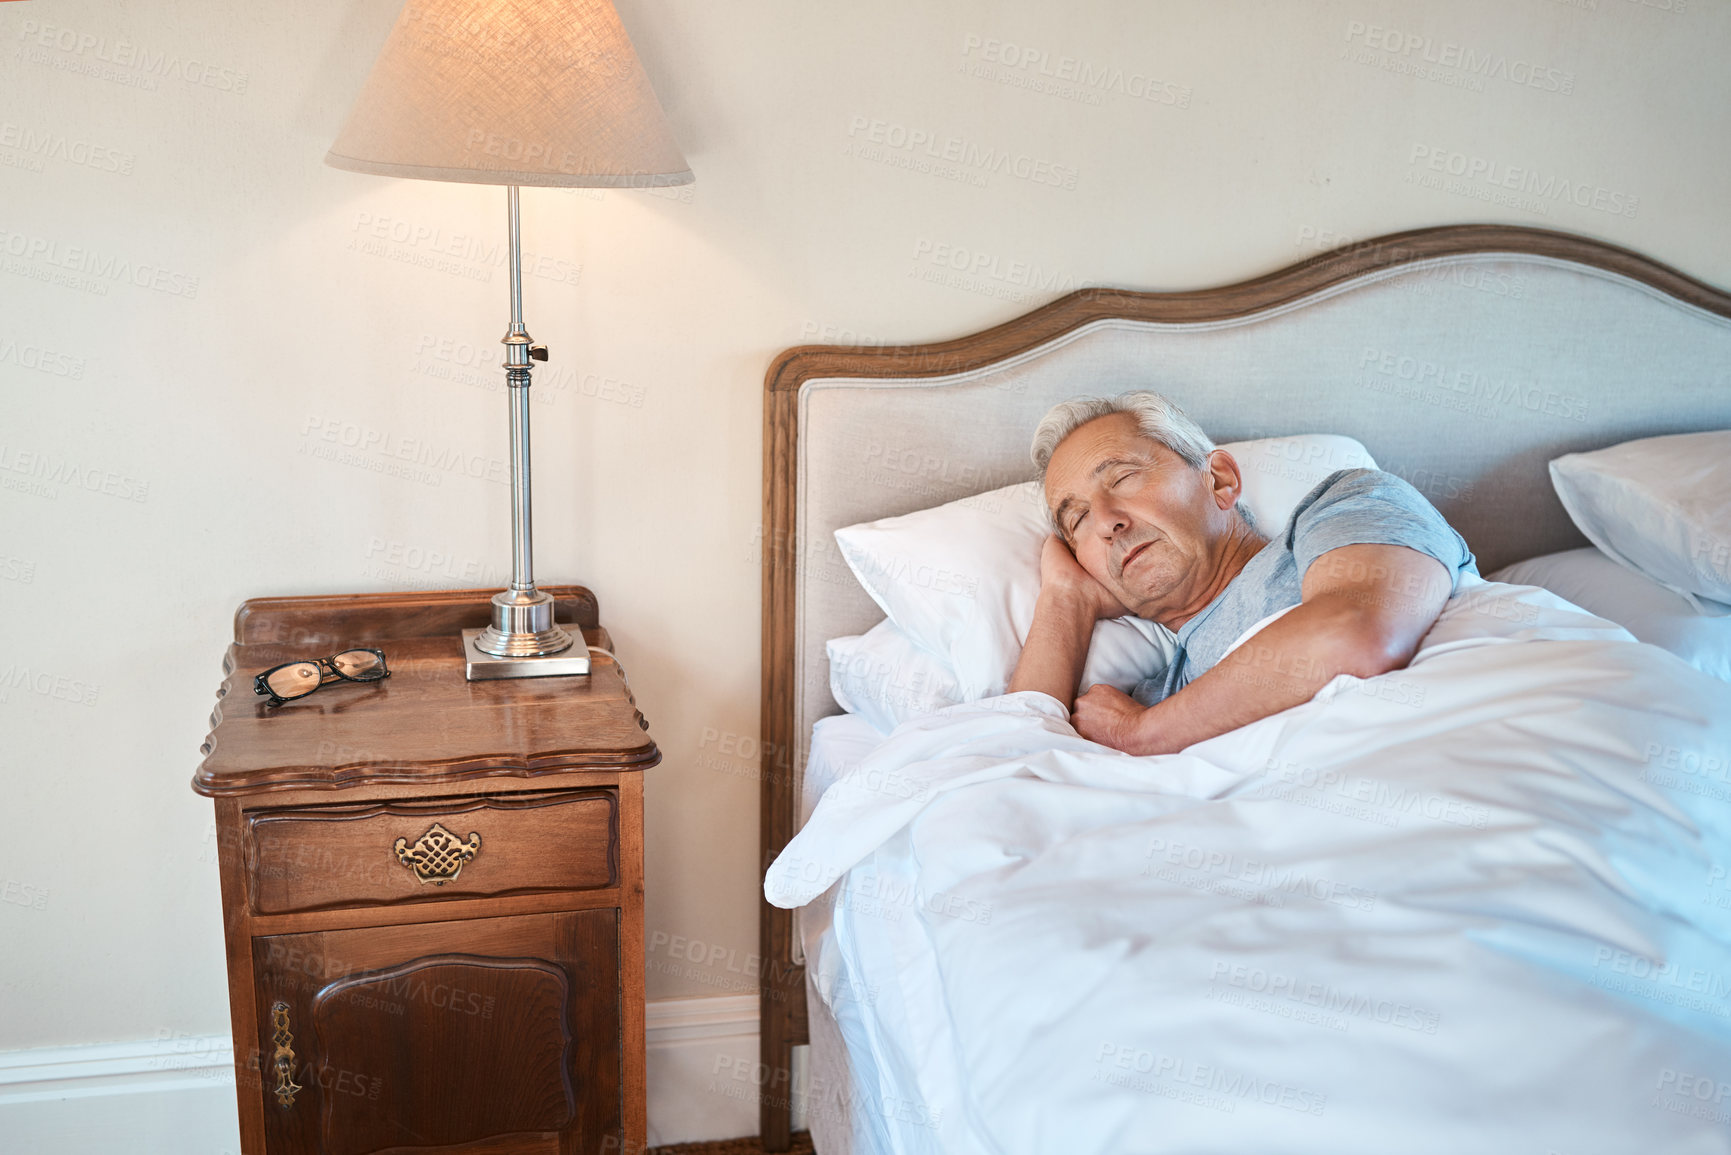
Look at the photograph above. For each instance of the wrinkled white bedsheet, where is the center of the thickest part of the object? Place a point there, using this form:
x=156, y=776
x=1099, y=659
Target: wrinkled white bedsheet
x=1477, y=905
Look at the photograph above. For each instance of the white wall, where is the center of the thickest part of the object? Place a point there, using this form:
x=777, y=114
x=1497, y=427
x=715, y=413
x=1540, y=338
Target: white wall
x=218, y=308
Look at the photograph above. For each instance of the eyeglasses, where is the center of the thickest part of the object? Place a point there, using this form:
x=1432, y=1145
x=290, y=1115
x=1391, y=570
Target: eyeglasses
x=293, y=680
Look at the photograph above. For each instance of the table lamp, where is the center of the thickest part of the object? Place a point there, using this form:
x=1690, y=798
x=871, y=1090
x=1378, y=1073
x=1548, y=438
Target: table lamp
x=513, y=92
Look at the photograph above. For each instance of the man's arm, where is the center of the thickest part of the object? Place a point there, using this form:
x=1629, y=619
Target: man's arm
x=1365, y=609
x=1071, y=601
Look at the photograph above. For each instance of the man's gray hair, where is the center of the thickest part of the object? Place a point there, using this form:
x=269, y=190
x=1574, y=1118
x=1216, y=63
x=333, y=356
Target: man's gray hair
x=1159, y=420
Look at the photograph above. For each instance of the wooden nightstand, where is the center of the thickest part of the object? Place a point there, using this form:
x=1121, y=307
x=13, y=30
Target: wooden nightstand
x=432, y=889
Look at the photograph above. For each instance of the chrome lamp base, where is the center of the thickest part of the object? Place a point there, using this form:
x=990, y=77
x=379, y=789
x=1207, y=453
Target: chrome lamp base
x=484, y=667
x=522, y=642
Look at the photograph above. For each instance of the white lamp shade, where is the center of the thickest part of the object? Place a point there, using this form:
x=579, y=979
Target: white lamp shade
x=523, y=92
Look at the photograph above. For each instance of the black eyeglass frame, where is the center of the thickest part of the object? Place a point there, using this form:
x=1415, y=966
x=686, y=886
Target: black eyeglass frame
x=328, y=673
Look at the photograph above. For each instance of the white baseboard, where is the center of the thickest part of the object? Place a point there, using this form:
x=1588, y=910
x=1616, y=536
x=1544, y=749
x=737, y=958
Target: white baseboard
x=704, y=1017
x=175, y=1096
x=154, y=1096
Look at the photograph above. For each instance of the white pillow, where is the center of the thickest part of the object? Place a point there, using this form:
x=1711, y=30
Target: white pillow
x=1639, y=604
x=886, y=679
x=1279, y=471
x=961, y=580
x=1660, y=505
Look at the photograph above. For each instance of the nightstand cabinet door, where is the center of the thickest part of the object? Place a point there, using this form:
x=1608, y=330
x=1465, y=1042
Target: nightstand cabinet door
x=488, y=1037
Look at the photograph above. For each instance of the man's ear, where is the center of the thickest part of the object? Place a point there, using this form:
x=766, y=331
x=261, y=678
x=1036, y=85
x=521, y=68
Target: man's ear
x=1225, y=478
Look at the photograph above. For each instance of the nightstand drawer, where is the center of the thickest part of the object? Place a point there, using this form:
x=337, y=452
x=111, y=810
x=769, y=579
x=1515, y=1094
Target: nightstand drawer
x=384, y=853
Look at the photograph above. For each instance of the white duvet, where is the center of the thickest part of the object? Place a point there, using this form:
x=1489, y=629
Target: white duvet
x=1477, y=905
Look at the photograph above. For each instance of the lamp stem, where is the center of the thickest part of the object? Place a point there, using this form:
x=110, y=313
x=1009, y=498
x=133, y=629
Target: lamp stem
x=517, y=381
x=523, y=634
x=516, y=232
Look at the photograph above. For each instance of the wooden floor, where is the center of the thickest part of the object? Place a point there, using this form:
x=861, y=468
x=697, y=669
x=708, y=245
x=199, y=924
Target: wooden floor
x=746, y=1146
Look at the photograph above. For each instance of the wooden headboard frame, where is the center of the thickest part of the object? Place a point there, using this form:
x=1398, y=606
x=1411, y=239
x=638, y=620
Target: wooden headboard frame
x=783, y=1007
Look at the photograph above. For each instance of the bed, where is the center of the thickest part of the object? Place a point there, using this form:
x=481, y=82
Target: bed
x=1464, y=358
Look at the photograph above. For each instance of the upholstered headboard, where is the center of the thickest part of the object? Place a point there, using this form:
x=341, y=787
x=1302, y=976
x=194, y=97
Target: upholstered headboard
x=1464, y=358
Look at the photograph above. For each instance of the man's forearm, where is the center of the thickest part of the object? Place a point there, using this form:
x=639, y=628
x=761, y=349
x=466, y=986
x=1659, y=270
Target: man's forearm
x=1057, y=647
x=1365, y=611
x=1284, y=664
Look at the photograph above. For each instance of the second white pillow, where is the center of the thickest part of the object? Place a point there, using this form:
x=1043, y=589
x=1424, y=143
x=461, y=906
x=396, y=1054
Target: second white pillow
x=1661, y=506
x=886, y=679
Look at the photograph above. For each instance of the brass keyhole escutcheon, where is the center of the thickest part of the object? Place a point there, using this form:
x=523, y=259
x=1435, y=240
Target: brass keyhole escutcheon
x=284, y=1059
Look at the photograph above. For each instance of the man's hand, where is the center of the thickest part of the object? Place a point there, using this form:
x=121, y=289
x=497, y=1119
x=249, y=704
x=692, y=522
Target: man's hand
x=1109, y=717
x=1062, y=576
x=1071, y=601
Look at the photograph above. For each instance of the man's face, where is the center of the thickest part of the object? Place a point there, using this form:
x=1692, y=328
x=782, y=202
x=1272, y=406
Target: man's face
x=1139, y=519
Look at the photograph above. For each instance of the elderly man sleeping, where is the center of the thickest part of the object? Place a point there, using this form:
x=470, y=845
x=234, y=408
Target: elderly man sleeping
x=1147, y=521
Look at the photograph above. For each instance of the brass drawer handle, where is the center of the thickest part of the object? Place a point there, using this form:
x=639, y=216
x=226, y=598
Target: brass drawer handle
x=284, y=1059
x=438, y=855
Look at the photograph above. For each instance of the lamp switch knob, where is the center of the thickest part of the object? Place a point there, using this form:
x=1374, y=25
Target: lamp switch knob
x=538, y=352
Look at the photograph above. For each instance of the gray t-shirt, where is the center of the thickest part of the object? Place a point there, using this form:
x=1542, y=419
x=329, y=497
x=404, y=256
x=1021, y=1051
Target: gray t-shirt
x=1348, y=507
